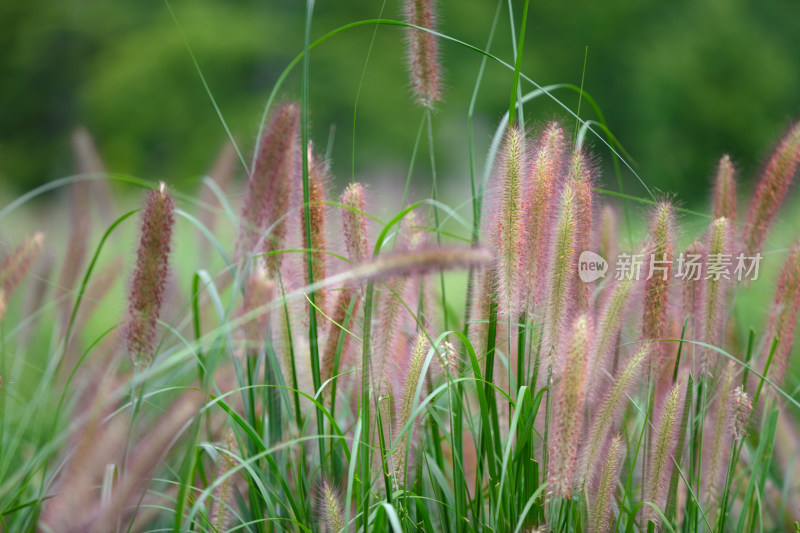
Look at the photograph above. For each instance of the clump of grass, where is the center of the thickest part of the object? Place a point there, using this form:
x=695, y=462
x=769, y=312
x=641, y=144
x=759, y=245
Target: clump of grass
x=540, y=412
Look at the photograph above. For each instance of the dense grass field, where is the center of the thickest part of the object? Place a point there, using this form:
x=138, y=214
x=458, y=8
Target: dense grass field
x=526, y=347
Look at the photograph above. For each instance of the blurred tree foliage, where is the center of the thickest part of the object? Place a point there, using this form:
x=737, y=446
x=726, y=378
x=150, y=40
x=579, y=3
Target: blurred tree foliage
x=679, y=82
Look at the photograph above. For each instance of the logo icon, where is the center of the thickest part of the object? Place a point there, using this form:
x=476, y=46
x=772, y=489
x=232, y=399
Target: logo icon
x=591, y=266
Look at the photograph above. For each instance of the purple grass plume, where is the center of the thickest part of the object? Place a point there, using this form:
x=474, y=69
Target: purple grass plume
x=318, y=179
x=276, y=172
x=150, y=276
x=783, y=317
x=581, y=175
x=771, y=190
x=540, y=192
x=423, y=52
x=354, y=221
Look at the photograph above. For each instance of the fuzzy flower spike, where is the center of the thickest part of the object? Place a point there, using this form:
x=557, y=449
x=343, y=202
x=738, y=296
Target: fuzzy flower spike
x=318, y=178
x=581, y=176
x=15, y=266
x=509, y=222
x=423, y=52
x=540, y=193
x=771, y=190
x=725, y=190
x=559, y=303
x=275, y=173
x=657, y=286
x=567, y=420
x=664, y=443
x=715, y=290
x=783, y=316
x=150, y=275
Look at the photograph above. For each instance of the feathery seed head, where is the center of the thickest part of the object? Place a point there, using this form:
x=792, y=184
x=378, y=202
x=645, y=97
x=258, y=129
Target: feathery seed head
x=559, y=304
x=612, y=406
x=601, y=510
x=223, y=496
x=715, y=289
x=448, y=357
x=724, y=196
x=347, y=296
x=318, y=178
x=354, y=222
x=423, y=52
x=581, y=176
x=540, y=195
x=509, y=222
x=742, y=408
x=330, y=508
x=783, y=316
x=718, y=438
x=691, y=296
x=608, y=327
x=567, y=420
x=15, y=266
x=608, y=233
x=405, y=406
x=150, y=275
x=657, y=287
x=771, y=190
x=663, y=445
x=275, y=174
x=420, y=261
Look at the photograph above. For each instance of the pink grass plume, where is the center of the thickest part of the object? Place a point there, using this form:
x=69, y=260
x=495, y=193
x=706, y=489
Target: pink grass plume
x=354, y=222
x=150, y=275
x=714, y=290
x=509, y=226
x=276, y=172
x=663, y=444
x=540, y=190
x=567, y=420
x=724, y=195
x=16, y=265
x=783, y=317
x=659, y=280
x=423, y=52
x=771, y=190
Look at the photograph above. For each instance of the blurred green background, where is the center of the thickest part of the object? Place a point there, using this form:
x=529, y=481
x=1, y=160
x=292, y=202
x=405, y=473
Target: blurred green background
x=679, y=82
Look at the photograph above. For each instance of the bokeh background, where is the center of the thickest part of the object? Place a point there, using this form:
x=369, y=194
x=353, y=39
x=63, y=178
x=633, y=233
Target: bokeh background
x=679, y=82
